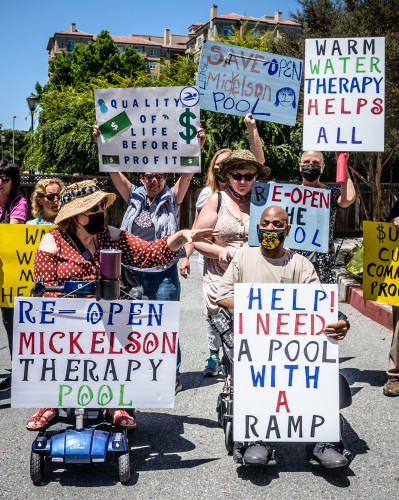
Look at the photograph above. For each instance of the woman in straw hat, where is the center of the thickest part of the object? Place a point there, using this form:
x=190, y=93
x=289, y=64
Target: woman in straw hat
x=228, y=213
x=81, y=224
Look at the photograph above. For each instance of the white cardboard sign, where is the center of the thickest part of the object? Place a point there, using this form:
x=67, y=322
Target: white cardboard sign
x=344, y=94
x=77, y=353
x=285, y=367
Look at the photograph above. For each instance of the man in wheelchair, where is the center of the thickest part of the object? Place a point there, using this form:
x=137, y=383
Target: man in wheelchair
x=272, y=263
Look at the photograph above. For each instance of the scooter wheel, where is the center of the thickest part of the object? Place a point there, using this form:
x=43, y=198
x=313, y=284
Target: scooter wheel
x=36, y=467
x=228, y=437
x=124, y=467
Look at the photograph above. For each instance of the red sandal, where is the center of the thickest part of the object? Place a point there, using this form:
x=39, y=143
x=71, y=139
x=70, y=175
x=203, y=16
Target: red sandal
x=41, y=419
x=122, y=416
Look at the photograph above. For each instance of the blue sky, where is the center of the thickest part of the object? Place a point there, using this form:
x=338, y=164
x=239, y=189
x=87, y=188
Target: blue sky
x=26, y=27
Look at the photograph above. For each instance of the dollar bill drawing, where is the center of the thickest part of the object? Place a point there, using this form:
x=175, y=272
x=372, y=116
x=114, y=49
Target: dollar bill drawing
x=115, y=126
x=110, y=159
x=189, y=161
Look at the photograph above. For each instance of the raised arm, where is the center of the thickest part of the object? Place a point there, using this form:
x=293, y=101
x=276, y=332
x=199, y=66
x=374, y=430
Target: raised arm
x=256, y=145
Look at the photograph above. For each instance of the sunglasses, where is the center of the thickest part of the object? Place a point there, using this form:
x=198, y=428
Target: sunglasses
x=157, y=177
x=248, y=177
x=4, y=179
x=51, y=196
x=96, y=208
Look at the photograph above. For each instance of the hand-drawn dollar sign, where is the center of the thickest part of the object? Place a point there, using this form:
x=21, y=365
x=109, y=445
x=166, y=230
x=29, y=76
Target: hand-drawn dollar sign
x=114, y=126
x=191, y=131
x=381, y=233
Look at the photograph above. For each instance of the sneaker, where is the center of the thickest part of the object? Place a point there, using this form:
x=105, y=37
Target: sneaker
x=178, y=385
x=391, y=388
x=257, y=454
x=213, y=367
x=5, y=384
x=329, y=455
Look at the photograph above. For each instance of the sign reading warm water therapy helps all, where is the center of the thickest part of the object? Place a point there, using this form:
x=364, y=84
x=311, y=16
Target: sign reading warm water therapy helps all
x=77, y=353
x=236, y=80
x=152, y=129
x=344, y=94
x=308, y=213
x=381, y=262
x=18, y=245
x=285, y=367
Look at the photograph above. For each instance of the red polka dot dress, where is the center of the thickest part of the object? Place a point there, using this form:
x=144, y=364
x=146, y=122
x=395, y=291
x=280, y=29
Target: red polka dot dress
x=68, y=262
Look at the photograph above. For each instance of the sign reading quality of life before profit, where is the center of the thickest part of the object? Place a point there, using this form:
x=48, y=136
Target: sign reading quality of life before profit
x=18, y=245
x=344, y=94
x=236, y=80
x=152, y=129
x=285, y=367
x=381, y=262
x=77, y=353
x=308, y=213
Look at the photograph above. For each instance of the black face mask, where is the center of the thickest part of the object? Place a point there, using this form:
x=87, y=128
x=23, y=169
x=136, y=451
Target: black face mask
x=271, y=238
x=95, y=224
x=310, y=172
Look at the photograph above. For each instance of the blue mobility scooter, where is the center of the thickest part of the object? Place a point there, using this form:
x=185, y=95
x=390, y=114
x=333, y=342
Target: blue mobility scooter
x=91, y=438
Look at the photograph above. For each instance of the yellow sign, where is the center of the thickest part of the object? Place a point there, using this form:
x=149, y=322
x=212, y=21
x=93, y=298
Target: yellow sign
x=18, y=245
x=381, y=262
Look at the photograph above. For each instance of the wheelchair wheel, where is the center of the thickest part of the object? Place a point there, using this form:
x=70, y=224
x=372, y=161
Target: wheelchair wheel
x=221, y=409
x=228, y=437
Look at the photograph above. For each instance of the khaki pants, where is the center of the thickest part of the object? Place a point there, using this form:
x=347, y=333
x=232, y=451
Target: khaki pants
x=393, y=365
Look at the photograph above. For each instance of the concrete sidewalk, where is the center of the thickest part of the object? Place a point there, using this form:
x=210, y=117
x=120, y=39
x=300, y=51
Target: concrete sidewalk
x=350, y=289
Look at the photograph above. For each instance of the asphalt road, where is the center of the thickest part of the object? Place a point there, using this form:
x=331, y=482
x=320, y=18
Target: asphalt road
x=180, y=453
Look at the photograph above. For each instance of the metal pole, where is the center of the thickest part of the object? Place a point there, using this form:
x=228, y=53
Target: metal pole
x=13, y=142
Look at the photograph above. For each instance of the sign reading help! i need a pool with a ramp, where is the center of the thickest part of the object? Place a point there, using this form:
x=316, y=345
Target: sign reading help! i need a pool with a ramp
x=148, y=129
x=344, y=94
x=285, y=367
x=236, y=81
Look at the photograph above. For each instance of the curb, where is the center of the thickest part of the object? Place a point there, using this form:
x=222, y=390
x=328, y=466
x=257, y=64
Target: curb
x=350, y=290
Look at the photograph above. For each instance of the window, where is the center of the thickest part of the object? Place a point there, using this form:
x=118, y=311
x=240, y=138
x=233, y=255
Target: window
x=153, y=65
x=227, y=31
x=120, y=49
x=256, y=33
x=62, y=45
x=140, y=50
x=153, y=52
x=163, y=53
x=199, y=42
x=71, y=45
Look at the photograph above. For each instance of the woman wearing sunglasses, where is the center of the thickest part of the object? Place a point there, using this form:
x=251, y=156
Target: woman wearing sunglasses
x=215, y=183
x=45, y=201
x=228, y=213
x=13, y=210
x=74, y=250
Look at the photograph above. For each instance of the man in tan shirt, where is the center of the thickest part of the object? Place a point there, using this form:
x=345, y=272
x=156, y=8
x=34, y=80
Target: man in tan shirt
x=272, y=263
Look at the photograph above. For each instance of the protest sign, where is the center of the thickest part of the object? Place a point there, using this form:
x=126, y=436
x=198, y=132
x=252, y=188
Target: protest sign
x=285, y=367
x=381, y=262
x=308, y=213
x=82, y=353
x=18, y=245
x=236, y=81
x=152, y=129
x=344, y=94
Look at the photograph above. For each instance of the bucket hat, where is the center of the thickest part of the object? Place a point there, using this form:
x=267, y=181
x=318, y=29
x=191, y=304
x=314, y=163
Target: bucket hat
x=242, y=159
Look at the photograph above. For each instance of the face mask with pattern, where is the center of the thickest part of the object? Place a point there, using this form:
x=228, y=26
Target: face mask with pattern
x=271, y=238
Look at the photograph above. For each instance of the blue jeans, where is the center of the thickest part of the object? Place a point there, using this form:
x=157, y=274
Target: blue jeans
x=164, y=286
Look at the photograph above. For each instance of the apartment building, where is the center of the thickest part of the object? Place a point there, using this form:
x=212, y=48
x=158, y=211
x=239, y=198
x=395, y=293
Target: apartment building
x=152, y=48
x=222, y=25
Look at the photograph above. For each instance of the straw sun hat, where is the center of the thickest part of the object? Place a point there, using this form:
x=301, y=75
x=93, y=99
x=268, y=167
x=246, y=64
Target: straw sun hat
x=242, y=159
x=80, y=197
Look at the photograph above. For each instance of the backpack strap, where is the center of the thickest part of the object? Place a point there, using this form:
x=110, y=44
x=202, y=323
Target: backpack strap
x=82, y=249
x=219, y=201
